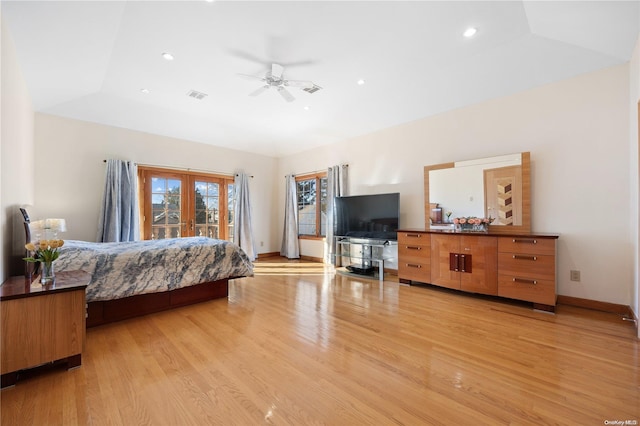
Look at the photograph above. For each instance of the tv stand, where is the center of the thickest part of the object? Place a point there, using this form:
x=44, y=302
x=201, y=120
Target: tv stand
x=366, y=270
x=363, y=254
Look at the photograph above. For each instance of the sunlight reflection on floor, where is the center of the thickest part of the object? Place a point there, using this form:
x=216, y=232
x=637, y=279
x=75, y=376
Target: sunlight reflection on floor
x=300, y=267
x=292, y=268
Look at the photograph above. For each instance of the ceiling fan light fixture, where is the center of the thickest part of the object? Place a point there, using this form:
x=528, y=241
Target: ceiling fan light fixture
x=470, y=32
x=167, y=56
x=274, y=78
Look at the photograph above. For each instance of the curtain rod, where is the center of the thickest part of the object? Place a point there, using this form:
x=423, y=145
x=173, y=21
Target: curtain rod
x=315, y=171
x=181, y=168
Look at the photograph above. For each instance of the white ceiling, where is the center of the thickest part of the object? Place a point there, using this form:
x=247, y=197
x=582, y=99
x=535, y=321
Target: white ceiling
x=89, y=60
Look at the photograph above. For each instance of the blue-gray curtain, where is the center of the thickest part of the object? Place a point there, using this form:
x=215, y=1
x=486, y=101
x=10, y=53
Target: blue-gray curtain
x=242, y=229
x=119, y=213
x=290, y=244
x=337, y=186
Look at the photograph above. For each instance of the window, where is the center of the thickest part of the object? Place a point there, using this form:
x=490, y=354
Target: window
x=312, y=205
x=185, y=204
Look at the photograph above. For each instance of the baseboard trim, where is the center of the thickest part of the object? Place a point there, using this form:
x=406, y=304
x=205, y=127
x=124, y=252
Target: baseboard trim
x=269, y=254
x=312, y=259
x=596, y=305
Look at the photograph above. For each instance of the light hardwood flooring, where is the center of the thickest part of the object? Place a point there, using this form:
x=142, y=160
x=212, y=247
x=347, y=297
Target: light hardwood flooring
x=299, y=345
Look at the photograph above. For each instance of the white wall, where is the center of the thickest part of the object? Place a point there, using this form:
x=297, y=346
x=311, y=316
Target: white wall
x=577, y=131
x=16, y=157
x=71, y=153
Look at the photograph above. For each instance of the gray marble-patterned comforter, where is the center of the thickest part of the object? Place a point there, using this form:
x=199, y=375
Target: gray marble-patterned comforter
x=125, y=269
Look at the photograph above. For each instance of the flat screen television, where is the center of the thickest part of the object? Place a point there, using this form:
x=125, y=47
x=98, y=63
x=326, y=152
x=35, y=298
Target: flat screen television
x=373, y=216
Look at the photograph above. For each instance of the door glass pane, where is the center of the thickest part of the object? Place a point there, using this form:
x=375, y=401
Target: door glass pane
x=230, y=211
x=207, y=209
x=307, y=207
x=166, y=197
x=323, y=206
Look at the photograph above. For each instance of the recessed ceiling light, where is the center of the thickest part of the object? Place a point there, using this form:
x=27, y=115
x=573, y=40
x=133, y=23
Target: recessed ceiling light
x=360, y=82
x=168, y=56
x=307, y=107
x=470, y=32
x=145, y=91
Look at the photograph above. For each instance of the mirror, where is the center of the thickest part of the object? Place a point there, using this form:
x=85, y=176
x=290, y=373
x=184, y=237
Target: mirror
x=497, y=187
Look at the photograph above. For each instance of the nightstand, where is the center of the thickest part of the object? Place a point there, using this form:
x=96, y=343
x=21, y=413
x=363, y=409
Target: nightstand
x=40, y=324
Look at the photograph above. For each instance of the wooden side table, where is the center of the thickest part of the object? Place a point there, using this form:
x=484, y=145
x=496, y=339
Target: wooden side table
x=42, y=324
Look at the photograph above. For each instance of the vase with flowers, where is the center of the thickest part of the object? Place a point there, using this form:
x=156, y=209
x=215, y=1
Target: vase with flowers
x=45, y=252
x=472, y=224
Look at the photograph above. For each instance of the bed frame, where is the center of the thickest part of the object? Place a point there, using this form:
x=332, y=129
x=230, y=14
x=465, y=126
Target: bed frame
x=107, y=311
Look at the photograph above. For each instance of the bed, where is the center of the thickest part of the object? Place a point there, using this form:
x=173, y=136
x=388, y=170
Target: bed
x=137, y=278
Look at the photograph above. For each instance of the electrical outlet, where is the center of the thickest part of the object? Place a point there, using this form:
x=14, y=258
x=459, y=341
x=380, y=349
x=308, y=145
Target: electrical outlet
x=574, y=275
x=261, y=243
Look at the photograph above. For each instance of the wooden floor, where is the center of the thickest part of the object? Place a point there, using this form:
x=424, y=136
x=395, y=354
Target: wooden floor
x=298, y=345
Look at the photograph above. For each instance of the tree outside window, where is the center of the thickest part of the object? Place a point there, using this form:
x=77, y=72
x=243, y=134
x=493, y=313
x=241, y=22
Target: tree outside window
x=312, y=205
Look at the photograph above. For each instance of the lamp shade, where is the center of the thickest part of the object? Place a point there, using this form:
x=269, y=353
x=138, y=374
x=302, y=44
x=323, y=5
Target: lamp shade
x=56, y=225
x=46, y=228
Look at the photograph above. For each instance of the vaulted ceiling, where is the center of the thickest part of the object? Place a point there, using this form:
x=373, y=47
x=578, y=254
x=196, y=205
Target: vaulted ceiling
x=101, y=61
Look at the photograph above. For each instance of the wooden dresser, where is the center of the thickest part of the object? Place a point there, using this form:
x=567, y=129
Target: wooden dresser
x=517, y=266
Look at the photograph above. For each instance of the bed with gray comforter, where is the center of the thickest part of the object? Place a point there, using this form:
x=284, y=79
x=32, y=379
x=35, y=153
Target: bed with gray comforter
x=120, y=270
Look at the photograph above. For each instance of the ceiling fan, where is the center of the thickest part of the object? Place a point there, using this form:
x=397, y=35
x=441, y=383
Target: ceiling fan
x=274, y=79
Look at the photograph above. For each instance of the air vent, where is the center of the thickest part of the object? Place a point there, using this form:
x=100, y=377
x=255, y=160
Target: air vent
x=312, y=89
x=196, y=95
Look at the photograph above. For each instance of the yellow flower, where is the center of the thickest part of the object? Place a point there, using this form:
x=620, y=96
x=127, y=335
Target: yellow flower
x=44, y=250
x=55, y=243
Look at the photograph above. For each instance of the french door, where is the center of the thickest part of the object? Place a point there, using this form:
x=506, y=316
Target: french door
x=184, y=204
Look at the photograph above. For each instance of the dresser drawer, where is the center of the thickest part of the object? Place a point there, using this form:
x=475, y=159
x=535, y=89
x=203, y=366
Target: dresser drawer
x=414, y=253
x=527, y=265
x=527, y=245
x=413, y=238
x=414, y=256
x=415, y=271
x=531, y=290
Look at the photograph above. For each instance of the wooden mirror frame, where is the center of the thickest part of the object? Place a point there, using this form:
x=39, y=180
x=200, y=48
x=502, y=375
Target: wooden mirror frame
x=525, y=228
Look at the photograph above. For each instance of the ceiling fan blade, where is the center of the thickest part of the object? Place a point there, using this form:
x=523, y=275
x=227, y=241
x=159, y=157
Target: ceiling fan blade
x=260, y=90
x=251, y=77
x=285, y=94
x=276, y=71
x=297, y=63
x=299, y=83
x=248, y=56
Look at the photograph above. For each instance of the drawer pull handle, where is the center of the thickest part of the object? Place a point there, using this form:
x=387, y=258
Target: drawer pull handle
x=413, y=248
x=524, y=281
x=414, y=235
x=525, y=240
x=411, y=265
x=523, y=257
